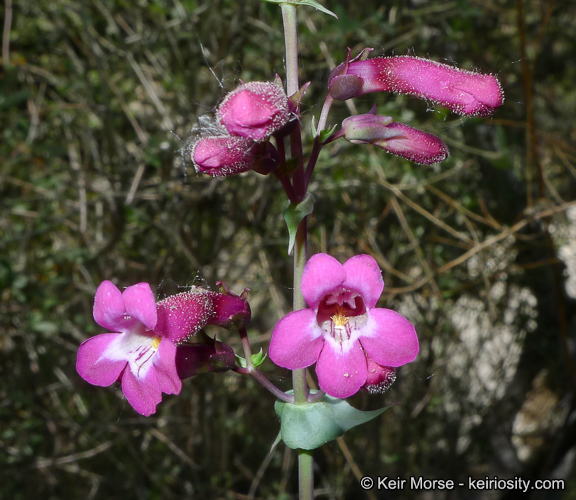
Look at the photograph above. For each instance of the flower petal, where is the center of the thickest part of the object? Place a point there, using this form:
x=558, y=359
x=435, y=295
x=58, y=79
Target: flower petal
x=364, y=276
x=389, y=338
x=142, y=393
x=321, y=275
x=109, y=309
x=296, y=340
x=93, y=367
x=184, y=314
x=141, y=304
x=165, y=364
x=341, y=374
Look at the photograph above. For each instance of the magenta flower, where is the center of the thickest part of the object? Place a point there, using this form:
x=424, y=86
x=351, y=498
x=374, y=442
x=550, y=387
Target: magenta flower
x=396, y=138
x=255, y=110
x=143, y=352
x=464, y=92
x=219, y=156
x=342, y=331
x=379, y=379
x=143, y=359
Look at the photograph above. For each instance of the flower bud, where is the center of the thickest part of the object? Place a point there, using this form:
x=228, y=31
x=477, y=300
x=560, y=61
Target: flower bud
x=464, y=92
x=380, y=378
x=255, y=110
x=219, y=156
x=210, y=356
x=230, y=310
x=396, y=138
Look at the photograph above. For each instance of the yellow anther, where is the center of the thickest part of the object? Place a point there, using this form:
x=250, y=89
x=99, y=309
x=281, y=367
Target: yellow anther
x=340, y=319
x=156, y=341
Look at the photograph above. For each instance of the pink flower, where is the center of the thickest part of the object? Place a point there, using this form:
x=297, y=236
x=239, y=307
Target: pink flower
x=396, y=138
x=224, y=155
x=254, y=110
x=379, y=379
x=143, y=352
x=342, y=331
x=143, y=359
x=464, y=92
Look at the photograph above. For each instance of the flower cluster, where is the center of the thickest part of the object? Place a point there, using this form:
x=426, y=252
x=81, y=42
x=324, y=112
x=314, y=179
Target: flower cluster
x=464, y=92
x=354, y=344
x=247, y=118
x=147, y=353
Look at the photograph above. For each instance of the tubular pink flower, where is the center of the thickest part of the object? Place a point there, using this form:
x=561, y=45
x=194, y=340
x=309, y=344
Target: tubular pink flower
x=255, y=110
x=343, y=331
x=224, y=155
x=182, y=315
x=142, y=359
x=379, y=379
x=464, y=92
x=396, y=138
x=143, y=352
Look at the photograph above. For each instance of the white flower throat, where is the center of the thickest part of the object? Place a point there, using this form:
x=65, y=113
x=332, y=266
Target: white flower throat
x=341, y=314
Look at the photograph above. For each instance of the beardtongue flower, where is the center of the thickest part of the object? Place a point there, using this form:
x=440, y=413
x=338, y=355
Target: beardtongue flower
x=224, y=155
x=379, y=378
x=219, y=156
x=343, y=331
x=143, y=359
x=142, y=352
x=255, y=110
x=396, y=138
x=464, y=92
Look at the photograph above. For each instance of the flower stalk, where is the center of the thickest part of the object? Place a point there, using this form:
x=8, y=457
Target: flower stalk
x=300, y=385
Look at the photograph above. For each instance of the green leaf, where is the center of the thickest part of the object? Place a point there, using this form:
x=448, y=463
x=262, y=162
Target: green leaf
x=326, y=133
x=258, y=358
x=294, y=214
x=310, y=3
x=240, y=360
x=309, y=426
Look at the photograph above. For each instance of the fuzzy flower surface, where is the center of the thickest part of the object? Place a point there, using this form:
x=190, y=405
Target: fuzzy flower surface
x=142, y=359
x=396, y=138
x=141, y=352
x=342, y=331
x=254, y=110
x=464, y=92
x=219, y=156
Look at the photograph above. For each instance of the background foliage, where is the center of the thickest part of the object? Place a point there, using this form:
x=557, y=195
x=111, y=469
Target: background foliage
x=96, y=100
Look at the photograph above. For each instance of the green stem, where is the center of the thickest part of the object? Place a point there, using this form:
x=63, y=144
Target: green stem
x=300, y=257
x=301, y=393
x=291, y=42
x=305, y=474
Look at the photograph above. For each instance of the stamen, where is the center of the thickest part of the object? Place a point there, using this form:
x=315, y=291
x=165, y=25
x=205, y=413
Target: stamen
x=339, y=319
x=156, y=342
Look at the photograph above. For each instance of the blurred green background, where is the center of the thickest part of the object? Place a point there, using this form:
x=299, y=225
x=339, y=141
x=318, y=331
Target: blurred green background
x=97, y=99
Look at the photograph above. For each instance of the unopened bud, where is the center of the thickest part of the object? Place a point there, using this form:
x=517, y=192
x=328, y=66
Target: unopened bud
x=464, y=92
x=255, y=110
x=220, y=156
x=396, y=138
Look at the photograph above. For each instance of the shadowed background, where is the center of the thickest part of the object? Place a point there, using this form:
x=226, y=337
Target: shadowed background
x=98, y=97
